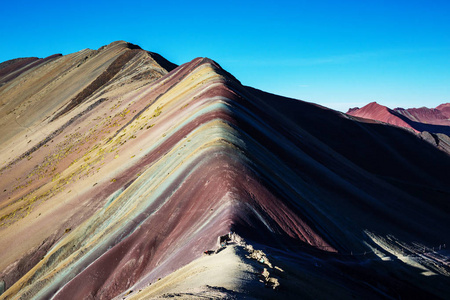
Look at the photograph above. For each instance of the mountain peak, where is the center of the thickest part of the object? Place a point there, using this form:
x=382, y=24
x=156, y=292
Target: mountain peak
x=372, y=110
x=120, y=44
x=373, y=105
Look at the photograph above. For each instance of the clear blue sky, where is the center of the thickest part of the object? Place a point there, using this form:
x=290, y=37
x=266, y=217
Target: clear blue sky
x=336, y=53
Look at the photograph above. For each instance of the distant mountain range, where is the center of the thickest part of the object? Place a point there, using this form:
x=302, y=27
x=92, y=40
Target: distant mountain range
x=125, y=176
x=432, y=124
x=404, y=117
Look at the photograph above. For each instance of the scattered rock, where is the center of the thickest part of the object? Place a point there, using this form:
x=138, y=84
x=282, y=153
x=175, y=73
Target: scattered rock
x=224, y=240
x=279, y=269
x=429, y=137
x=260, y=257
x=268, y=281
x=265, y=274
x=273, y=283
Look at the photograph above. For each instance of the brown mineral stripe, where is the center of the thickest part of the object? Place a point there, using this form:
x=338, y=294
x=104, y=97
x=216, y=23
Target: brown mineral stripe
x=101, y=80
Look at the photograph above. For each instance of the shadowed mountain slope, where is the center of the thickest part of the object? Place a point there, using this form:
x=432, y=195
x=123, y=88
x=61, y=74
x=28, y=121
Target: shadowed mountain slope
x=130, y=169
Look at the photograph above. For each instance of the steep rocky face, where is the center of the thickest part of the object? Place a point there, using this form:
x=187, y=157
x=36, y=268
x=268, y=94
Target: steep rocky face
x=130, y=168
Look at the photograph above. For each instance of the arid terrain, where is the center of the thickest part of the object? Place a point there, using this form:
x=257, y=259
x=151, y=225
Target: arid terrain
x=123, y=175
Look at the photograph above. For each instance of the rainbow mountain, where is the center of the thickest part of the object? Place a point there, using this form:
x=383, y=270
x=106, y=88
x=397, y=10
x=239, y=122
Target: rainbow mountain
x=124, y=175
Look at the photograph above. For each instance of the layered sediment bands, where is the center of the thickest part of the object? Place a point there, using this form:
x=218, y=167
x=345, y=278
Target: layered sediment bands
x=12, y=69
x=102, y=79
x=202, y=180
x=31, y=177
x=143, y=175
